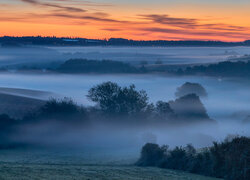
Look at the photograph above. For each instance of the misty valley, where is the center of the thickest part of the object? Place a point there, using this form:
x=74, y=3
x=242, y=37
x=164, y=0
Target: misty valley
x=100, y=108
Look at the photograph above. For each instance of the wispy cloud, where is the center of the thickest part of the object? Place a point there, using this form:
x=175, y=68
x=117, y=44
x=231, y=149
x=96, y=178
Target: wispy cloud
x=186, y=32
x=188, y=23
x=54, y=5
x=167, y=20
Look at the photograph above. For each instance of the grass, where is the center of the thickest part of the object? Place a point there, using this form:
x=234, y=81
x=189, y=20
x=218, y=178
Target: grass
x=9, y=171
x=46, y=164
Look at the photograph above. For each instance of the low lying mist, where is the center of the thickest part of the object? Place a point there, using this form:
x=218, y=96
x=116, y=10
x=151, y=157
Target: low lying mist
x=68, y=125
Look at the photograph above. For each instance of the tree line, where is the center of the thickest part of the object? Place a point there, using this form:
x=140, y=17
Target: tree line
x=69, y=41
x=96, y=66
x=229, y=160
x=221, y=69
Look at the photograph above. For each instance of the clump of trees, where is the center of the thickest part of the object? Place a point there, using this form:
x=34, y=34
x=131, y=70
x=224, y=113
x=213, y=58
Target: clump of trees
x=64, y=110
x=124, y=103
x=96, y=66
x=114, y=104
x=116, y=100
x=190, y=108
x=229, y=159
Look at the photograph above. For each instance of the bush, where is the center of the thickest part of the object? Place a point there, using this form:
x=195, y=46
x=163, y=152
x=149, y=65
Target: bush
x=61, y=110
x=151, y=155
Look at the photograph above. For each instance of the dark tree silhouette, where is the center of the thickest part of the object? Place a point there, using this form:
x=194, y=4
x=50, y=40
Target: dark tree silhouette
x=189, y=108
x=191, y=88
x=116, y=100
x=229, y=160
x=151, y=155
x=96, y=66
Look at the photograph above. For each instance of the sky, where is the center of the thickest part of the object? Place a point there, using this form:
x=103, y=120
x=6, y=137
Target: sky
x=224, y=20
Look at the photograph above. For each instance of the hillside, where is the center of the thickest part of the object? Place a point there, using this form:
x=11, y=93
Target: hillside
x=17, y=106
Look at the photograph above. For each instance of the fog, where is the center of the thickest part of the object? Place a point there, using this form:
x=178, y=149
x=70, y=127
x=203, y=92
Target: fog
x=169, y=55
x=228, y=100
x=52, y=56
x=227, y=103
x=226, y=97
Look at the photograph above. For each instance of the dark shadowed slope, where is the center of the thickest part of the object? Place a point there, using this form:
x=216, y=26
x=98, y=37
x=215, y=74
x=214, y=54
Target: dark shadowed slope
x=17, y=106
x=43, y=95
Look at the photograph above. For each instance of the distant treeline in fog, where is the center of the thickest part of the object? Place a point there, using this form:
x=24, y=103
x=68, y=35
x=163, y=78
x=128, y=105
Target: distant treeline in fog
x=221, y=69
x=96, y=66
x=236, y=68
x=8, y=41
x=229, y=160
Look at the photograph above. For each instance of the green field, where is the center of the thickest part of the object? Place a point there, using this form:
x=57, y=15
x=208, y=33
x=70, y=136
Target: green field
x=27, y=164
x=14, y=171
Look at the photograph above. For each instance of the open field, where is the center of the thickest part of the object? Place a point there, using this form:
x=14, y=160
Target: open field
x=22, y=164
x=12, y=171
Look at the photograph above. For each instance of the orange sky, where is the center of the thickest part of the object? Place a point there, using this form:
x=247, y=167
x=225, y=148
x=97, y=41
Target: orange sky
x=225, y=20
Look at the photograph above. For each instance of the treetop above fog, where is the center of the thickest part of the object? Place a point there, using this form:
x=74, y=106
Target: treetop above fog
x=113, y=99
x=191, y=88
x=119, y=100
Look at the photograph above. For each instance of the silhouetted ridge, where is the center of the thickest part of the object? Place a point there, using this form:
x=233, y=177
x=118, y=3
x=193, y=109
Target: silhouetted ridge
x=67, y=41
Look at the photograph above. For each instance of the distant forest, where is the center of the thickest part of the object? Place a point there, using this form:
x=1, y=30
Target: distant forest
x=94, y=66
x=8, y=41
x=222, y=69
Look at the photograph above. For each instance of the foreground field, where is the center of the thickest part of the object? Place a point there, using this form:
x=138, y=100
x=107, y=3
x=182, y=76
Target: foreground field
x=47, y=164
x=13, y=171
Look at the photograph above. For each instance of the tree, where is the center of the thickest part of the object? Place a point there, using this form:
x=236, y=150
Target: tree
x=191, y=88
x=190, y=108
x=115, y=100
x=63, y=110
x=65, y=106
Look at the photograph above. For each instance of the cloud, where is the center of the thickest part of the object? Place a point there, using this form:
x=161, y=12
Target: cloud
x=195, y=33
x=189, y=23
x=93, y=17
x=54, y=5
x=167, y=20
x=110, y=29
x=83, y=2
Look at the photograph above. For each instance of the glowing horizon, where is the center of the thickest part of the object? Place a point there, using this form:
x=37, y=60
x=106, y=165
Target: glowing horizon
x=221, y=20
